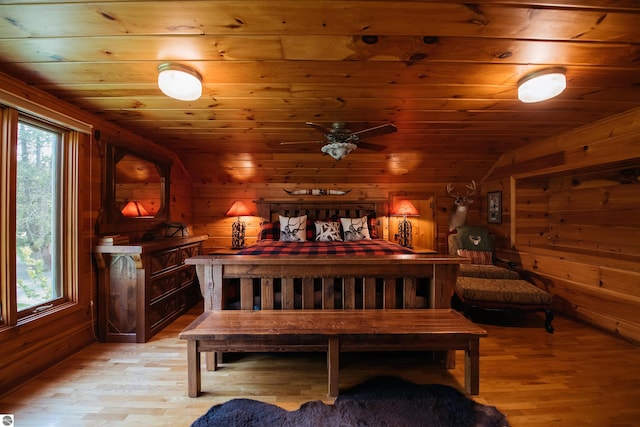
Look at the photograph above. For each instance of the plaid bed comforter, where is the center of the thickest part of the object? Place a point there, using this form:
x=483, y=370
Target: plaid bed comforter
x=361, y=247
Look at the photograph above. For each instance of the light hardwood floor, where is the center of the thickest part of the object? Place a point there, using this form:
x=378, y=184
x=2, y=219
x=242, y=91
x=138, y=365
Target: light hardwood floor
x=577, y=377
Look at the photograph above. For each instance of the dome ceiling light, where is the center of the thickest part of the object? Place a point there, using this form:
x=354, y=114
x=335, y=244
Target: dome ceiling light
x=542, y=85
x=179, y=81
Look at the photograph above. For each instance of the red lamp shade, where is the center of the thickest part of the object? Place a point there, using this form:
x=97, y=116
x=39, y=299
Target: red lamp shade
x=134, y=209
x=404, y=208
x=238, y=209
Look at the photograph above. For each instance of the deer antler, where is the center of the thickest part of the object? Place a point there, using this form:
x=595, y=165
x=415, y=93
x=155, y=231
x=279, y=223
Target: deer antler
x=450, y=188
x=472, y=189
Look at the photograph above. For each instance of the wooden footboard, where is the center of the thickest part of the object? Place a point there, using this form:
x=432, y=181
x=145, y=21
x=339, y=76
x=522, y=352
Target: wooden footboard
x=329, y=282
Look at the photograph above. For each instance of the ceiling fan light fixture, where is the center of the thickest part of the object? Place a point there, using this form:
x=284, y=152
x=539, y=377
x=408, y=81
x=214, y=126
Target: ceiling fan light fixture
x=179, y=81
x=338, y=150
x=542, y=85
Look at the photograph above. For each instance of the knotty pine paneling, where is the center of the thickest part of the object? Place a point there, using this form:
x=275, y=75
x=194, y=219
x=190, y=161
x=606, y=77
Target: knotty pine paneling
x=601, y=217
x=329, y=17
x=531, y=211
x=609, y=241
x=577, y=228
x=607, y=141
x=580, y=285
x=621, y=281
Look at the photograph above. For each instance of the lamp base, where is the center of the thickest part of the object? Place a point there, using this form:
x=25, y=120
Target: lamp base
x=405, y=230
x=237, y=234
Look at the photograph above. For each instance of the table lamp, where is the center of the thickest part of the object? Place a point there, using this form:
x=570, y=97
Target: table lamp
x=404, y=209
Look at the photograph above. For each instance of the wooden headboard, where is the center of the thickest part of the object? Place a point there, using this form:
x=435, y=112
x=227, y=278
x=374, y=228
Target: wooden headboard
x=269, y=210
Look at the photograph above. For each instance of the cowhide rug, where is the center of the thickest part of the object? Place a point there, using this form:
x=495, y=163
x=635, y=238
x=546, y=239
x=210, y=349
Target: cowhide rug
x=381, y=401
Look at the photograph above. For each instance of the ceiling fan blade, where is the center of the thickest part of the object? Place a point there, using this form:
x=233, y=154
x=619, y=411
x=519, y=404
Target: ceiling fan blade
x=321, y=128
x=301, y=142
x=370, y=146
x=376, y=131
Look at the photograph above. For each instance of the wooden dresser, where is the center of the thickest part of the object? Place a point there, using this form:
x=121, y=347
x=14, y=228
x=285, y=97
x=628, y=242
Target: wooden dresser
x=145, y=286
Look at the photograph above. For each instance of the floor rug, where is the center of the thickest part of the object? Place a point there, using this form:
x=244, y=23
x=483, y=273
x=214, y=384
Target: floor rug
x=381, y=401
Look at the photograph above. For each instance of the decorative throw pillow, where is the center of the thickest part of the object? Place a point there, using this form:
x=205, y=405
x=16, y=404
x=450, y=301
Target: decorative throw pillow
x=477, y=257
x=355, y=229
x=269, y=231
x=293, y=229
x=328, y=231
x=474, y=238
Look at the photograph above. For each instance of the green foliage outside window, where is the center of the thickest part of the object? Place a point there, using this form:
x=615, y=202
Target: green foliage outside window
x=35, y=214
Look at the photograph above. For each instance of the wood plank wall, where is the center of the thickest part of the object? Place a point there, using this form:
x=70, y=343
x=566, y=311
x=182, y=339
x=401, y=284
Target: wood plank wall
x=568, y=221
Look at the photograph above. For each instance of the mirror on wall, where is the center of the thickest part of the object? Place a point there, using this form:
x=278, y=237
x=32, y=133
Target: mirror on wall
x=138, y=187
x=136, y=192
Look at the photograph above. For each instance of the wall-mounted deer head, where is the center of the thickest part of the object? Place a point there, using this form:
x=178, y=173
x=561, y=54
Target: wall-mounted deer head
x=459, y=216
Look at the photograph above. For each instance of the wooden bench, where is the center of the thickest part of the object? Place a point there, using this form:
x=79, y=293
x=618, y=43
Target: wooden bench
x=332, y=331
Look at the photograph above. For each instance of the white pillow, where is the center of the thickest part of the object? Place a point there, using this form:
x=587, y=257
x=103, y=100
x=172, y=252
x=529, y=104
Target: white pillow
x=355, y=229
x=328, y=231
x=293, y=229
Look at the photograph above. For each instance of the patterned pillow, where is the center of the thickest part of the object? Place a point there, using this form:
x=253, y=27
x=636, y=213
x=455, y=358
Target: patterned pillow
x=474, y=238
x=328, y=231
x=293, y=229
x=355, y=229
x=269, y=231
x=477, y=257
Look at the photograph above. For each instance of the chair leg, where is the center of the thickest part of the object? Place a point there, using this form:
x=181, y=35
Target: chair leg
x=548, y=319
x=467, y=310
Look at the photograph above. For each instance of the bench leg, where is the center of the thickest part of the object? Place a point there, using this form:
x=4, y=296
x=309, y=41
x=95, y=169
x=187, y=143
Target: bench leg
x=193, y=368
x=450, y=359
x=472, y=367
x=211, y=359
x=333, y=366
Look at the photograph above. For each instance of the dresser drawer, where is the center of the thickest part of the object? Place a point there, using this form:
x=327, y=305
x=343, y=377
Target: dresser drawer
x=188, y=252
x=162, y=285
x=165, y=260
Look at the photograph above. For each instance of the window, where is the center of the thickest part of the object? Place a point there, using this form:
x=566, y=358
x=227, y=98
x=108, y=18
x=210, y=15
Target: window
x=39, y=214
x=37, y=209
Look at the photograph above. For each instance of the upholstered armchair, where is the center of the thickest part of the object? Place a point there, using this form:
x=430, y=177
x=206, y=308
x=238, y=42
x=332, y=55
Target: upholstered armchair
x=485, y=285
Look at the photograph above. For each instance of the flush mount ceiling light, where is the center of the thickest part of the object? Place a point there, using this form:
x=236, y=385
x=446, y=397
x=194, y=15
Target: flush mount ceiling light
x=542, y=85
x=179, y=81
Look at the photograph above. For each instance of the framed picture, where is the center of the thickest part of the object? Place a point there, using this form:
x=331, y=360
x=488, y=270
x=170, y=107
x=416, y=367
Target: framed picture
x=494, y=207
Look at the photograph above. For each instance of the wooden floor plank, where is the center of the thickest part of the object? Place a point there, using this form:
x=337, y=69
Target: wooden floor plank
x=577, y=376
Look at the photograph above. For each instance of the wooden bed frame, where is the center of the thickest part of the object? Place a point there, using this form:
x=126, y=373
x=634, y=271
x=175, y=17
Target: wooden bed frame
x=407, y=281
x=346, y=282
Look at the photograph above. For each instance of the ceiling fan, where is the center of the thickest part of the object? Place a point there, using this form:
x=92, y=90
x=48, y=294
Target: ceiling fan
x=340, y=141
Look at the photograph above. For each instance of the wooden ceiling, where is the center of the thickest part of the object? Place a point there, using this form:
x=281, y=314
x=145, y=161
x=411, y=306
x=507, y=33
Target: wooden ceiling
x=444, y=72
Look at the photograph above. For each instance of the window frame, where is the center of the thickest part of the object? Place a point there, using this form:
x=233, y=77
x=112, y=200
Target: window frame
x=67, y=177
